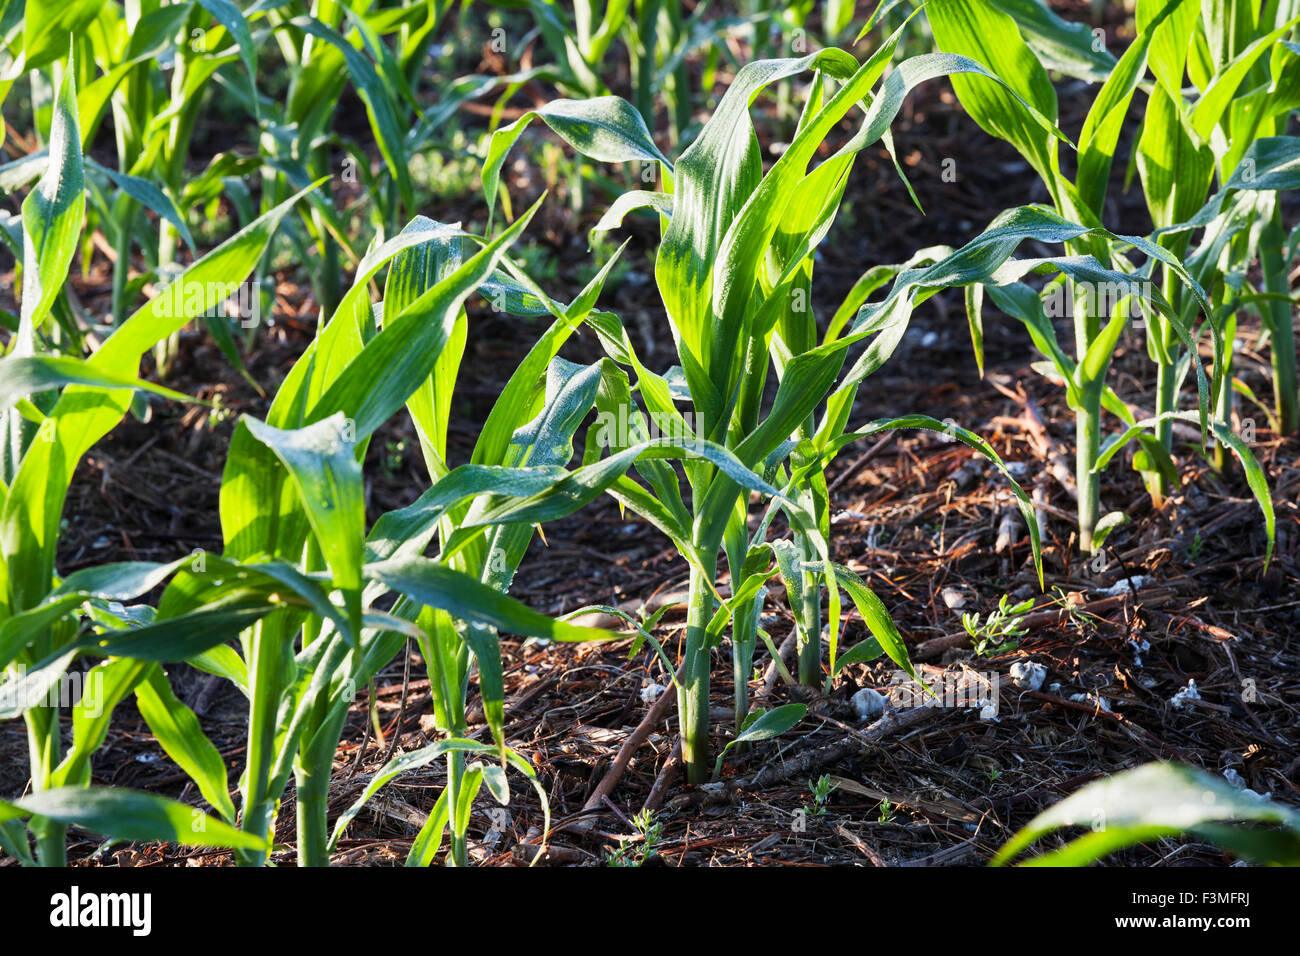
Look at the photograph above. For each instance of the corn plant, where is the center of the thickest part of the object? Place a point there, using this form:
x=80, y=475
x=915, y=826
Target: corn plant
x=297, y=700
x=1244, y=81
x=55, y=408
x=1159, y=801
x=736, y=249
x=517, y=478
x=351, y=381
x=1100, y=304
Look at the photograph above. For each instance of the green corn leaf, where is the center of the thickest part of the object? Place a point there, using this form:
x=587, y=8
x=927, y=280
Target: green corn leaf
x=862, y=652
x=1175, y=164
x=769, y=724
x=1170, y=24
x=1061, y=46
x=148, y=195
x=1104, y=122
x=613, y=217
x=467, y=599
x=118, y=581
x=105, y=685
x=229, y=16
x=606, y=128
x=877, y=619
x=322, y=459
x=392, y=365
x=178, y=733
x=130, y=815
x=427, y=842
x=1153, y=800
x=53, y=214
x=408, y=530
x=47, y=26
x=378, y=102
x=412, y=760
x=984, y=33
x=177, y=639
x=1217, y=97
x=33, y=685
x=24, y=375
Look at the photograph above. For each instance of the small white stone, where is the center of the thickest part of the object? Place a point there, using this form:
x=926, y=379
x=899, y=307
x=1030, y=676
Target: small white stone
x=1028, y=675
x=868, y=703
x=651, y=692
x=989, y=710
x=1234, y=779
x=1124, y=586
x=1180, y=699
x=848, y=515
x=1054, y=688
x=953, y=598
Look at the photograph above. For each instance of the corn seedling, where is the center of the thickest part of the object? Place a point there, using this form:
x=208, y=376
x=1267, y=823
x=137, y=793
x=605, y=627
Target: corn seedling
x=1100, y=303
x=736, y=251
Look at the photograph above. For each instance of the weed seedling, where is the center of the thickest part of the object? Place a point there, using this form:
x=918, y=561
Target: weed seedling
x=998, y=633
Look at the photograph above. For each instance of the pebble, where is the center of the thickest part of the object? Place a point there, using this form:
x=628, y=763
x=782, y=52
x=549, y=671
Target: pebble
x=1180, y=699
x=953, y=598
x=1134, y=582
x=651, y=692
x=867, y=703
x=1028, y=675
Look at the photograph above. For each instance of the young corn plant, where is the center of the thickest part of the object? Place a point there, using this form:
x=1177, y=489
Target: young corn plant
x=53, y=408
x=369, y=362
x=1243, y=88
x=292, y=513
x=735, y=240
x=483, y=515
x=300, y=575
x=1100, y=302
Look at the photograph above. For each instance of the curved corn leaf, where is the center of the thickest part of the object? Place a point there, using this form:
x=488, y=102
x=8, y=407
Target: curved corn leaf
x=467, y=599
x=130, y=815
x=1157, y=799
x=178, y=732
x=375, y=95
x=412, y=760
x=605, y=128
x=23, y=375
x=53, y=214
x=322, y=459
x=766, y=725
